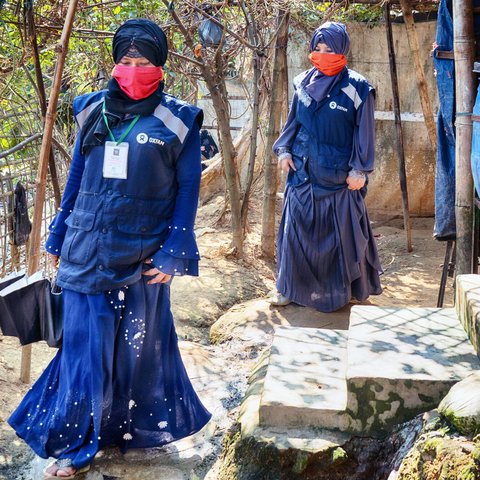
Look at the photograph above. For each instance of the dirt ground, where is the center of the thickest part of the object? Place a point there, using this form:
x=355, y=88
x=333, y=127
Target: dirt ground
x=410, y=279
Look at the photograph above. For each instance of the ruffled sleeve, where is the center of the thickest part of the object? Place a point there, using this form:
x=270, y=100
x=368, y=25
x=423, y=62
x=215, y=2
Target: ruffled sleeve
x=179, y=253
x=58, y=227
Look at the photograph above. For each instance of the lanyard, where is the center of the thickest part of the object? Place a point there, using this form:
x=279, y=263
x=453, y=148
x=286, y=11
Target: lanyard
x=125, y=133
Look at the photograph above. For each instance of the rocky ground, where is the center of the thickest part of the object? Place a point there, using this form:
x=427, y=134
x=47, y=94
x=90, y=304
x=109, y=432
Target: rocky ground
x=219, y=358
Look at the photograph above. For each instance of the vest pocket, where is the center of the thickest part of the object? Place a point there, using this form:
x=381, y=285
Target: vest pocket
x=78, y=239
x=135, y=238
x=299, y=176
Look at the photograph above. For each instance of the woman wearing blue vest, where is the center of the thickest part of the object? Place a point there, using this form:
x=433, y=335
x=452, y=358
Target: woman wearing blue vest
x=125, y=227
x=326, y=253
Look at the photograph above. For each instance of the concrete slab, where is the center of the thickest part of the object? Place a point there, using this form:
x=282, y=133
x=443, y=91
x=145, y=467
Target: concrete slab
x=468, y=306
x=281, y=449
x=305, y=379
x=402, y=361
x=312, y=440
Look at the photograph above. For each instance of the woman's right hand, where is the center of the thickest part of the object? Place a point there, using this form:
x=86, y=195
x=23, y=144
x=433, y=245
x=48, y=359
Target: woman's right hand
x=286, y=163
x=53, y=260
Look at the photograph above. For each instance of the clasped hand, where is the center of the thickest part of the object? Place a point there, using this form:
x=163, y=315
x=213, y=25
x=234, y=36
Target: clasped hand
x=158, y=276
x=355, y=182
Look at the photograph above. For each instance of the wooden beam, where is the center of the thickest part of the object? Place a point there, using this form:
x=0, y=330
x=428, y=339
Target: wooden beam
x=465, y=90
x=421, y=81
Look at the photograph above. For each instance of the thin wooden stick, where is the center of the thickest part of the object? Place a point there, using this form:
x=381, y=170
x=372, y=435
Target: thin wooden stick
x=398, y=127
x=35, y=237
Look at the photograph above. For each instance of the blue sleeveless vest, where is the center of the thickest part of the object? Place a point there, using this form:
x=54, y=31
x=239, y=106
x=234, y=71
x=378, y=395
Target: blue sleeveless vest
x=117, y=223
x=325, y=136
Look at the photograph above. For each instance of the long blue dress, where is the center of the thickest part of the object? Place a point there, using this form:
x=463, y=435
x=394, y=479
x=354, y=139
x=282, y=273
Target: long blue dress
x=326, y=253
x=118, y=379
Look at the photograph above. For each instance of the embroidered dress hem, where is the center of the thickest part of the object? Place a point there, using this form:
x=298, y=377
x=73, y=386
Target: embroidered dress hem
x=118, y=379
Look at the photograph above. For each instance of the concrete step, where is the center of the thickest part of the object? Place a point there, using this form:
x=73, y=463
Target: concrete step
x=305, y=379
x=299, y=439
x=402, y=361
x=467, y=304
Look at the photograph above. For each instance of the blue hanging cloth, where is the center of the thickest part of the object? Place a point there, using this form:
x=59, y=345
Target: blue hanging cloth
x=444, y=228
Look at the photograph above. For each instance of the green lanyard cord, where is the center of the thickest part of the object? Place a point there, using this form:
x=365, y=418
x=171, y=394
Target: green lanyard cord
x=125, y=133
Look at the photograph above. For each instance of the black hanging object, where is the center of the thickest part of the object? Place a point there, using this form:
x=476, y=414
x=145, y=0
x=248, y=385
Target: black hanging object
x=210, y=148
x=210, y=32
x=21, y=223
x=31, y=309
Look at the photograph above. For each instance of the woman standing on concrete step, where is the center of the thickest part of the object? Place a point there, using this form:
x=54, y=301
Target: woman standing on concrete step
x=124, y=229
x=326, y=252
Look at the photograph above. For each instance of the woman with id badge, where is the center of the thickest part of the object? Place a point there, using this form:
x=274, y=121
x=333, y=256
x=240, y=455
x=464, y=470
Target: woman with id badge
x=326, y=252
x=124, y=229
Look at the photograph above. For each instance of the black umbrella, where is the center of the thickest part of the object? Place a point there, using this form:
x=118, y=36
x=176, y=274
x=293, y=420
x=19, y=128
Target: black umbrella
x=31, y=310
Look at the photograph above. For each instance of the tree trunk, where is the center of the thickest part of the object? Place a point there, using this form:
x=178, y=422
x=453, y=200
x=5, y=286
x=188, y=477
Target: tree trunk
x=43, y=102
x=275, y=113
x=219, y=94
x=257, y=68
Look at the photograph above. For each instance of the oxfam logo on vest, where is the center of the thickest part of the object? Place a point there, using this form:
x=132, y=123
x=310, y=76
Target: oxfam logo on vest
x=142, y=138
x=333, y=105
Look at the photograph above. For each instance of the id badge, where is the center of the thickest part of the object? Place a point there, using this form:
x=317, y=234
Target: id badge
x=115, y=160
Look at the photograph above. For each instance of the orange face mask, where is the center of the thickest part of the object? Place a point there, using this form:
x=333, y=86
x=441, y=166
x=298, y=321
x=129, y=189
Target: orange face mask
x=328, y=63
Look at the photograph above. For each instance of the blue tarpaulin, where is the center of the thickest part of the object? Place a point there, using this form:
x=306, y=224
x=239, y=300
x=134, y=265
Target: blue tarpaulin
x=476, y=145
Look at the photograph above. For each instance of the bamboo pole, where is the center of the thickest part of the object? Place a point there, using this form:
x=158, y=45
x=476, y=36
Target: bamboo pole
x=398, y=128
x=464, y=54
x=270, y=162
x=35, y=237
x=421, y=81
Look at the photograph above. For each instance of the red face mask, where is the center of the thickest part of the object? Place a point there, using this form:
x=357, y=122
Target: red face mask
x=328, y=63
x=137, y=82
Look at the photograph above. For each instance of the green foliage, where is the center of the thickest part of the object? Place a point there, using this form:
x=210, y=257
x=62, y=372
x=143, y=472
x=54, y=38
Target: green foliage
x=88, y=63
x=310, y=14
x=372, y=15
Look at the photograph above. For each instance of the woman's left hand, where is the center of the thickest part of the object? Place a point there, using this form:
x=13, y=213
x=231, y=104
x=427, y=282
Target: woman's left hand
x=158, y=276
x=355, y=182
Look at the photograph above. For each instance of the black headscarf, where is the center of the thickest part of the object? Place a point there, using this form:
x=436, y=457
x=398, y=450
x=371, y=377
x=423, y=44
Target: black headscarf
x=149, y=40
x=146, y=36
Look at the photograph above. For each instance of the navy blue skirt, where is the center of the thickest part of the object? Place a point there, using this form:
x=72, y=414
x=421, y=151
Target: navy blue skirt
x=326, y=253
x=118, y=379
